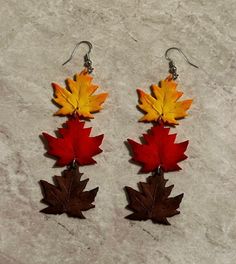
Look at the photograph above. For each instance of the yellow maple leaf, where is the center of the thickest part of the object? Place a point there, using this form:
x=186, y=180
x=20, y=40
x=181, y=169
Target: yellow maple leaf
x=78, y=98
x=164, y=105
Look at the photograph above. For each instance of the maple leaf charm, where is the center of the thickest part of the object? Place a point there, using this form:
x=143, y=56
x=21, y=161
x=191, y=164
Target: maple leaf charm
x=163, y=106
x=68, y=195
x=74, y=144
x=158, y=149
x=153, y=202
x=78, y=98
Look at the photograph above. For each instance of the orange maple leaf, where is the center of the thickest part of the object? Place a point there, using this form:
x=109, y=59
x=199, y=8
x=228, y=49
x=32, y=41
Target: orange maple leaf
x=164, y=105
x=79, y=97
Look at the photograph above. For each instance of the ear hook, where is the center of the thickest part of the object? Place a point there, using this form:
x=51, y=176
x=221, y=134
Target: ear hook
x=172, y=67
x=87, y=61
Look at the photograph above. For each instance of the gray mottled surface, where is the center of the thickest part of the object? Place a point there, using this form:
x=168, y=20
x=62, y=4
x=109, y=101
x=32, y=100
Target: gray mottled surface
x=130, y=38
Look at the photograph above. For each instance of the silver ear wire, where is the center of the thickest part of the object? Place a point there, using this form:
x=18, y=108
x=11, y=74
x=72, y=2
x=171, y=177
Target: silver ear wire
x=172, y=67
x=87, y=60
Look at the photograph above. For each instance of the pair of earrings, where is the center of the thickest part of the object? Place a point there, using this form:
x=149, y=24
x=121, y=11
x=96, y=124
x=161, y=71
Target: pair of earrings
x=74, y=147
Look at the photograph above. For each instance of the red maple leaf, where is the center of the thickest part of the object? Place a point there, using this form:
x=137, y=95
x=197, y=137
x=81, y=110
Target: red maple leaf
x=74, y=144
x=158, y=150
x=67, y=195
x=152, y=202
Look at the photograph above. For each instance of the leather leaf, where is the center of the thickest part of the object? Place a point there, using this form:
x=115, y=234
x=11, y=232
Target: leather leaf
x=158, y=149
x=74, y=144
x=78, y=98
x=68, y=195
x=153, y=201
x=163, y=105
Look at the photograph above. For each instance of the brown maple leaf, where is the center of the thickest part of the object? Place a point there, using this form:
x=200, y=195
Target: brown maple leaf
x=152, y=202
x=68, y=195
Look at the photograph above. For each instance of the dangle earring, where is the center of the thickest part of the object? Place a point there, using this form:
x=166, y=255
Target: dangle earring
x=73, y=147
x=158, y=153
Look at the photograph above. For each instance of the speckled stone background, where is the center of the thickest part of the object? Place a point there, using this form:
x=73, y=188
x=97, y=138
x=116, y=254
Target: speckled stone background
x=129, y=38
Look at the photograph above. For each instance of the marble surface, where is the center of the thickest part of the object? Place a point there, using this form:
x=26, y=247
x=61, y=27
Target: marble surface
x=129, y=38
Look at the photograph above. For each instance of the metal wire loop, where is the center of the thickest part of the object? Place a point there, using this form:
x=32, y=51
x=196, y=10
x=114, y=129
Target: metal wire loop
x=87, y=60
x=172, y=67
